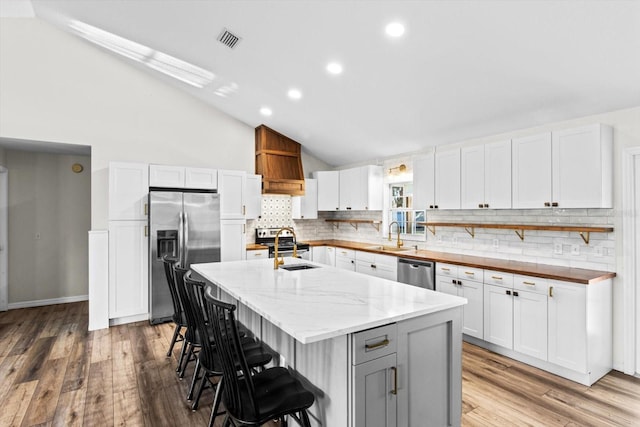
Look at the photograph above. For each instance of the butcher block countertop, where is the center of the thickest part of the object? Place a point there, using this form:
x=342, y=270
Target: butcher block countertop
x=567, y=274
x=256, y=247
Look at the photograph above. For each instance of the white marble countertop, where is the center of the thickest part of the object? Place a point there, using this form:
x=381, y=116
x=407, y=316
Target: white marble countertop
x=325, y=302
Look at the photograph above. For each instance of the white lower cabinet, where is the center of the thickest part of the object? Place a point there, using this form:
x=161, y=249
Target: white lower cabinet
x=464, y=282
x=568, y=326
x=128, y=269
x=383, y=266
x=530, y=324
x=258, y=254
x=233, y=239
x=324, y=255
x=346, y=259
x=498, y=315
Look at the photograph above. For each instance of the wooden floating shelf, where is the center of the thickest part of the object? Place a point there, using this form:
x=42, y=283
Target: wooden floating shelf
x=354, y=222
x=583, y=231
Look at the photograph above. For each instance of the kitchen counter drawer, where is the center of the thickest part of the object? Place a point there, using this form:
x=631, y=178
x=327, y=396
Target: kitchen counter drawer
x=374, y=343
x=532, y=284
x=449, y=270
x=470, y=273
x=498, y=278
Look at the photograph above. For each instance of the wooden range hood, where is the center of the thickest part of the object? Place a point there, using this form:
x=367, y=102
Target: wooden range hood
x=278, y=161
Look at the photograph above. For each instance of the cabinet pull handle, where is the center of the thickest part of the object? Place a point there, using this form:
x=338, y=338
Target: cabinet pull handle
x=244, y=210
x=444, y=269
x=551, y=291
x=383, y=343
x=146, y=209
x=508, y=292
x=373, y=266
x=395, y=380
x=486, y=205
x=480, y=205
x=547, y=204
x=529, y=283
x=453, y=281
x=470, y=273
x=257, y=254
x=554, y=204
x=496, y=277
x=515, y=293
x=244, y=228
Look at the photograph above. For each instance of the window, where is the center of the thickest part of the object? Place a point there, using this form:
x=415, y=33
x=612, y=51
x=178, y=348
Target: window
x=401, y=211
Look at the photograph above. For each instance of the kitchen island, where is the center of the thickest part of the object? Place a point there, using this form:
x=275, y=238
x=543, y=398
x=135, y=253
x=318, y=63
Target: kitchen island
x=373, y=351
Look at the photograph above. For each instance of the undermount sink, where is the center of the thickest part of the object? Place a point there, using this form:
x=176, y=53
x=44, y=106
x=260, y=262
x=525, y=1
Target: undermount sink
x=294, y=267
x=388, y=248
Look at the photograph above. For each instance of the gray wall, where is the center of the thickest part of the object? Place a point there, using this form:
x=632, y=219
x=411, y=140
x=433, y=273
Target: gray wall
x=47, y=198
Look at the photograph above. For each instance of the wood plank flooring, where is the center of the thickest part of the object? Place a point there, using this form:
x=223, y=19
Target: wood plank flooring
x=53, y=372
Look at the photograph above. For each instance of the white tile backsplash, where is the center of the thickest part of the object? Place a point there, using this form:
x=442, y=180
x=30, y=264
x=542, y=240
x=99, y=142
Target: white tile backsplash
x=537, y=246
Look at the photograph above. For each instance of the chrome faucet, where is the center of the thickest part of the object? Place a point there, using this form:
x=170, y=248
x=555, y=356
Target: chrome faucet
x=280, y=261
x=400, y=242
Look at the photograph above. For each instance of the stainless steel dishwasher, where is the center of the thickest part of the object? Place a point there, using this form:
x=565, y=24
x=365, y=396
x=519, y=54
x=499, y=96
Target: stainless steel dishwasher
x=417, y=273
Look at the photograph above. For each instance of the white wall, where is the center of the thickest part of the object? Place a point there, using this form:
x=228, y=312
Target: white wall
x=56, y=87
x=48, y=199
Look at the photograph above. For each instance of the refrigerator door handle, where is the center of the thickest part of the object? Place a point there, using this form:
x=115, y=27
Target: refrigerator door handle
x=185, y=225
x=180, y=239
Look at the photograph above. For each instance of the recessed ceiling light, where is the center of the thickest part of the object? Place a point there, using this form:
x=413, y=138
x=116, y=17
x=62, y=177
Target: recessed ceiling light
x=394, y=29
x=294, y=94
x=266, y=111
x=334, y=68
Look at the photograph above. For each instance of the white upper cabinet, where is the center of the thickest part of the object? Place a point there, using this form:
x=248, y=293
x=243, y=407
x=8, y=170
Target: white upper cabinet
x=583, y=167
x=356, y=189
x=350, y=186
x=253, y=196
x=571, y=168
x=128, y=190
x=486, y=176
x=532, y=171
x=447, y=172
x=306, y=207
x=166, y=176
x=202, y=178
x=424, y=182
x=233, y=240
x=472, y=177
x=328, y=190
x=183, y=177
x=232, y=188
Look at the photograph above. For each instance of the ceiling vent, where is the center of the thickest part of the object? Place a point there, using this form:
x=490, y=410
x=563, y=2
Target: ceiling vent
x=228, y=39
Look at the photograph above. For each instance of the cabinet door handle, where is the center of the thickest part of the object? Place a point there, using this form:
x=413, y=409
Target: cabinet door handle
x=444, y=269
x=146, y=209
x=373, y=266
x=436, y=206
x=554, y=204
x=430, y=206
x=508, y=292
x=244, y=210
x=515, y=293
x=496, y=277
x=453, y=281
x=486, y=205
x=146, y=230
x=529, y=283
x=480, y=205
x=551, y=291
x=395, y=380
x=547, y=204
x=383, y=343
x=470, y=273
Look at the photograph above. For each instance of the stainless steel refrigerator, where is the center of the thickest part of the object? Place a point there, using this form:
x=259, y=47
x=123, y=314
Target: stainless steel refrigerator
x=185, y=225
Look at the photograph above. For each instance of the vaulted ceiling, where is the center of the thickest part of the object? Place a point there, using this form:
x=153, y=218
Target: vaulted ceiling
x=462, y=69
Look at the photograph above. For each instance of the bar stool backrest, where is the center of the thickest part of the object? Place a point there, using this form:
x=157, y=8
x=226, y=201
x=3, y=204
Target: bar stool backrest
x=195, y=293
x=169, y=262
x=236, y=373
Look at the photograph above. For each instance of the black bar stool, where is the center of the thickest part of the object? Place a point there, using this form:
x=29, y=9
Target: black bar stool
x=178, y=312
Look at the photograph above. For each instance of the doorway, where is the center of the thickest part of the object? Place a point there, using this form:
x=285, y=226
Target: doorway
x=631, y=250
x=4, y=240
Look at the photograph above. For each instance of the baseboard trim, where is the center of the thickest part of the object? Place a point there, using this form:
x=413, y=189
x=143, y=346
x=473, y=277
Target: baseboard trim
x=51, y=301
x=128, y=319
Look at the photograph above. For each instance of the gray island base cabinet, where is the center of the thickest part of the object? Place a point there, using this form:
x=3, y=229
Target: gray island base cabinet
x=399, y=364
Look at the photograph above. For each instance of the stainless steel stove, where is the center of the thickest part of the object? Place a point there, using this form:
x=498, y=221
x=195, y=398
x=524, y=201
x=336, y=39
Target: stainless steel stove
x=267, y=237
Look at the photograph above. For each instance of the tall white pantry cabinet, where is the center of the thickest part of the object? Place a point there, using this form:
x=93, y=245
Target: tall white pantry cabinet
x=128, y=240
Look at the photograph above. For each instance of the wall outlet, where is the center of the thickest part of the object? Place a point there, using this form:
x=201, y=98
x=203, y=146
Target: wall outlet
x=557, y=248
x=575, y=250
x=496, y=243
x=598, y=251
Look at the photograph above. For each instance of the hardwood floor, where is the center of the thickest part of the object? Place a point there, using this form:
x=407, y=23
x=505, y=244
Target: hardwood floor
x=54, y=372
